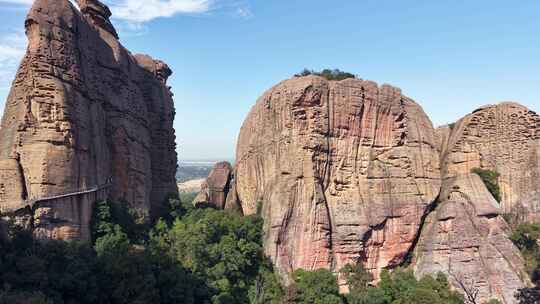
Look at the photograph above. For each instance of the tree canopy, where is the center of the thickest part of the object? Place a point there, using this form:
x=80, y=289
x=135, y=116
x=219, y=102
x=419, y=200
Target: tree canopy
x=191, y=255
x=329, y=74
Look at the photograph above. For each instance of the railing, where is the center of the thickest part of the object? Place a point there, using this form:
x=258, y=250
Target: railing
x=33, y=201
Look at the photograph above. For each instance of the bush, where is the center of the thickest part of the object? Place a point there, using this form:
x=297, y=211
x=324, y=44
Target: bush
x=491, y=180
x=107, y=214
x=399, y=286
x=525, y=237
x=329, y=74
x=315, y=287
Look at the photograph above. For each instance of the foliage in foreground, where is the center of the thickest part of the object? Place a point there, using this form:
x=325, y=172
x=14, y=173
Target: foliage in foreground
x=329, y=74
x=191, y=255
x=399, y=287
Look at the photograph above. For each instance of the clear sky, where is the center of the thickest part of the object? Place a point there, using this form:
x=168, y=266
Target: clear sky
x=451, y=56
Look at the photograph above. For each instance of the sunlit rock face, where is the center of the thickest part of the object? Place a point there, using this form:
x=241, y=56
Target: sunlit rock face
x=84, y=112
x=504, y=138
x=344, y=171
x=467, y=239
x=349, y=171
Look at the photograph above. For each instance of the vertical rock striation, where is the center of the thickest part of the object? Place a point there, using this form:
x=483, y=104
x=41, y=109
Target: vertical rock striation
x=467, y=239
x=351, y=172
x=345, y=171
x=84, y=113
x=504, y=138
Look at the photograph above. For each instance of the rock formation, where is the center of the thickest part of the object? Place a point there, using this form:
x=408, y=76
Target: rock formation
x=351, y=172
x=467, y=239
x=504, y=138
x=216, y=187
x=345, y=171
x=83, y=116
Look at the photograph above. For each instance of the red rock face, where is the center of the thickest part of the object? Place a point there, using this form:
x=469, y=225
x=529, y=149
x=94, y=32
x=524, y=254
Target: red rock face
x=345, y=171
x=348, y=171
x=466, y=239
x=504, y=138
x=466, y=236
x=83, y=111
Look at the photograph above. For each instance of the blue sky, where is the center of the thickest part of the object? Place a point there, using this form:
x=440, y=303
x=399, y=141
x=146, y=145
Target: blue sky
x=450, y=56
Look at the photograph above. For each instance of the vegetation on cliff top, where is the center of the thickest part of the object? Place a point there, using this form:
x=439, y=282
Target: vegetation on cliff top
x=329, y=74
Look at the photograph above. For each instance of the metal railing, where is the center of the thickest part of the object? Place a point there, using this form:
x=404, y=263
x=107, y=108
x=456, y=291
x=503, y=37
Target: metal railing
x=33, y=201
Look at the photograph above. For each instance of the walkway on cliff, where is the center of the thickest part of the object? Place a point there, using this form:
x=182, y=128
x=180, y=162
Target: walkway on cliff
x=33, y=201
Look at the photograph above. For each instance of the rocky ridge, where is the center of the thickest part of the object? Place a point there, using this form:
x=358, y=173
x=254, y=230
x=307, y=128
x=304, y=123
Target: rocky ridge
x=347, y=171
x=83, y=116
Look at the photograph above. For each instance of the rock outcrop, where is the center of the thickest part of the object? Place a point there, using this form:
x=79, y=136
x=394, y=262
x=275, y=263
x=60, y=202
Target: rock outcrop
x=216, y=187
x=345, y=171
x=467, y=239
x=504, y=138
x=351, y=172
x=85, y=120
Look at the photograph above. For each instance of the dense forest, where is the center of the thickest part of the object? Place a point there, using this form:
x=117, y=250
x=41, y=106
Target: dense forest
x=197, y=255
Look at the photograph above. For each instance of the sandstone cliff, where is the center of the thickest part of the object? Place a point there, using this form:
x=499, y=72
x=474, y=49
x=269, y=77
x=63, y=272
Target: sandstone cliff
x=352, y=172
x=504, y=138
x=83, y=115
x=345, y=171
x=467, y=239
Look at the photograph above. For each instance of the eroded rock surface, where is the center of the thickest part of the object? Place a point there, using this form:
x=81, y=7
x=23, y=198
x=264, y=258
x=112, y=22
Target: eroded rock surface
x=344, y=171
x=216, y=187
x=83, y=112
x=467, y=239
x=504, y=138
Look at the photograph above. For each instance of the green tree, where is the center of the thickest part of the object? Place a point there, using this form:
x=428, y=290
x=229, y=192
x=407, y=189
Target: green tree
x=266, y=288
x=107, y=214
x=357, y=277
x=329, y=74
x=222, y=249
x=525, y=237
x=401, y=287
x=315, y=287
x=491, y=180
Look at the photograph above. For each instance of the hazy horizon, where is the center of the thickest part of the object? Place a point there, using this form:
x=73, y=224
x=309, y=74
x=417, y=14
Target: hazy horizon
x=451, y=58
